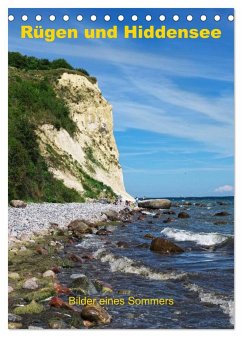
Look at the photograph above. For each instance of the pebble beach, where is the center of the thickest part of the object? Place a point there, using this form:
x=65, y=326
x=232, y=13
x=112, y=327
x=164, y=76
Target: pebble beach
x=37, y=217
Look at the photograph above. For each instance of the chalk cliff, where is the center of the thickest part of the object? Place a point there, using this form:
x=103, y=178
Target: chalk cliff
x=92, y=149
x=60, y=128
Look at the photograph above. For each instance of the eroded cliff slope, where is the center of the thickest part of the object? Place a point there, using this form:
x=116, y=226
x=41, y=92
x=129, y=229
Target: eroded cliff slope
x=61, y=142
x=92, y=149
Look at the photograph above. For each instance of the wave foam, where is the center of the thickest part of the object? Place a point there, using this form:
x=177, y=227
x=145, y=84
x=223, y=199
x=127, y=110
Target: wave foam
x=203, y=239
x=226, y=304
x=126, y=265
x=148, y=213
x=90, y=241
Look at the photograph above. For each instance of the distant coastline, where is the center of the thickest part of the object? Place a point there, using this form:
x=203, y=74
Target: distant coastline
x=190, y=198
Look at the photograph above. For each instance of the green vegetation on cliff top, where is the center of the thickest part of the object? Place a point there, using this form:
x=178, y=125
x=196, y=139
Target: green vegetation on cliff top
x=32, y=103
x=20, y=61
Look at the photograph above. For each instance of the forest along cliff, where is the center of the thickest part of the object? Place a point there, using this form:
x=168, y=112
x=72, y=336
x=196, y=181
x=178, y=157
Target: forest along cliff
x=63, y=126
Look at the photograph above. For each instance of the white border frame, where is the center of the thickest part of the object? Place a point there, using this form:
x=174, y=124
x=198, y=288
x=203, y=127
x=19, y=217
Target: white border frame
x=237, y=4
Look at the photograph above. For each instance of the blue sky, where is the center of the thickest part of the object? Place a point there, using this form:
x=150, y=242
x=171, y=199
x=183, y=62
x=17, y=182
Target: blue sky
x=172, y=99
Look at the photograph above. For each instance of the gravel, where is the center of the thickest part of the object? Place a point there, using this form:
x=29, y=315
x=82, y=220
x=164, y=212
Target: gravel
x=36, y=218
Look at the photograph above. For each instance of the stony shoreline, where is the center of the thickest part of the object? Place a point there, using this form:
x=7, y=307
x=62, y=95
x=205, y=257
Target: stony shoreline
x=42, y=238
x=49, y=261
x=37, y=257
x=48, y=267
x=36, y=218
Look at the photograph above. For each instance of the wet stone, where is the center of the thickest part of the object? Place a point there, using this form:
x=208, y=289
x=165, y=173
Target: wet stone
x=14, y=318
x=31, y=284
x=164, y=246
x=183, y=215
x=81, y=281
x=96, y=314
x=13, y=325
x=57, y=324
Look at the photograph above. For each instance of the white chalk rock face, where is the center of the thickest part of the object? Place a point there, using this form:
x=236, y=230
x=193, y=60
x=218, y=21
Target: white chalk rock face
x=93, y=147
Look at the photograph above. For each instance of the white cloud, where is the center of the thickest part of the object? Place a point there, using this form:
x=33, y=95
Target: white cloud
x=155, y=103
x=218, y=108
x=182, y=170
x=218, y=138
x=125, y=56
x=224, y=188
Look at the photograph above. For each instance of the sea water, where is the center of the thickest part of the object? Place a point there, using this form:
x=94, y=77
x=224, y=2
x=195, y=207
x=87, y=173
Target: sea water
x=200, y=280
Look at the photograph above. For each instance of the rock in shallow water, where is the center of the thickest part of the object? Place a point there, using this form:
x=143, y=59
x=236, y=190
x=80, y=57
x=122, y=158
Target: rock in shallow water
x=169, y=212
x=141, y=217
x=221, y=214
x=81, y=281
x=124, y=292
x=103, y=231
x=78, y=228
x=122, y=244
x=96, y=314
x=183, y=215
x=220, y=222
x=14, y=318
x=57, y=324
x=155, y=204
x=75, y=258
x=112, y=215
x=168, y=220
x=143, y=245
x=148, y=236
x=103, y=287
x=164, y=246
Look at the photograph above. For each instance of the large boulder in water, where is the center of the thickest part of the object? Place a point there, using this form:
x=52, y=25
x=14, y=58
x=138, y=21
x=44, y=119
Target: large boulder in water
x=164, y=246
x=155, y=203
